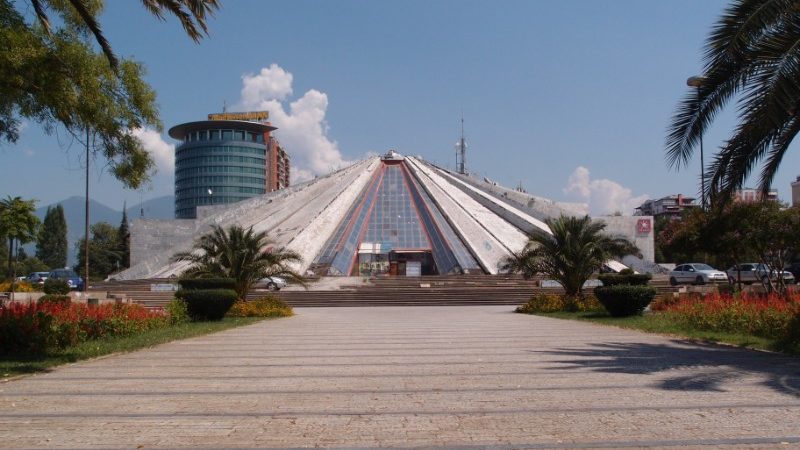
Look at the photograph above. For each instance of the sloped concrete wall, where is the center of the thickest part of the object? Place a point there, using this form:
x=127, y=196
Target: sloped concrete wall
x=520, y=219
x=282, y=214
x=154, y=237
x=489, y=238
x=309, y=242
x=538, y=207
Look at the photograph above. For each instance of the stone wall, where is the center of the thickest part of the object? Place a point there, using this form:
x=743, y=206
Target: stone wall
x=153, y=236
x=634, y=229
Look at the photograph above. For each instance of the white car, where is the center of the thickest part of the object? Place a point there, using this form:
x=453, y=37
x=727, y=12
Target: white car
x=696, y=273
x=273, y=283
x=756, y=272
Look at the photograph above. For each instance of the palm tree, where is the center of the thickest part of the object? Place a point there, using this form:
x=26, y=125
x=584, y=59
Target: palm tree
x=753, y=52
x=243, y=255
x=191, y=13
x=576, y=249
x=18, y=223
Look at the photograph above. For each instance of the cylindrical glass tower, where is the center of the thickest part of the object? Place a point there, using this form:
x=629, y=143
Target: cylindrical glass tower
x=219, y=162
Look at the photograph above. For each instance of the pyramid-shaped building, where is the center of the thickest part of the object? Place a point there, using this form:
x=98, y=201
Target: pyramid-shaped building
x=387, y=215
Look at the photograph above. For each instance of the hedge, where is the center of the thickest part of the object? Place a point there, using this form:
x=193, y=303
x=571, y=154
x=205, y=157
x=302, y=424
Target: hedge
x=616, y=279
x=207, y=304
x=625, y=300
x=207, y=283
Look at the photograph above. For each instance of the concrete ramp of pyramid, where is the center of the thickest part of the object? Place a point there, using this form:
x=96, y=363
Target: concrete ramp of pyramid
x=299, y=218
x=489, y=237
x=515, y=216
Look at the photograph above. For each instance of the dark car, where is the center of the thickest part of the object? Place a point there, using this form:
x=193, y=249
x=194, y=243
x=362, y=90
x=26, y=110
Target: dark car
x=37, y=277
x=73, y=280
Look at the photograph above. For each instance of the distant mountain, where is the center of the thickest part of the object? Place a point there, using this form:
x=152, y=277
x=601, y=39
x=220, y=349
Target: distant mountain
x=157, y=208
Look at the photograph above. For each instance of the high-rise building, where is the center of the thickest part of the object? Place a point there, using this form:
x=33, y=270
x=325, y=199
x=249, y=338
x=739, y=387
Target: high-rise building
x=225, y=159
x=796, y=192
x=277, y=166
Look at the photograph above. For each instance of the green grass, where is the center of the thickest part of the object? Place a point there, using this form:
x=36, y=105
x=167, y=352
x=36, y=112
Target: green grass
x=660, y=324
x=17, y=365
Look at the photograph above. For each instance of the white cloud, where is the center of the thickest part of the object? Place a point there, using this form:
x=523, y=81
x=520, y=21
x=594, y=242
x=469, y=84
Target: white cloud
x=603, y=196
x=272, y=83
x=163, y=153
x=302, y=128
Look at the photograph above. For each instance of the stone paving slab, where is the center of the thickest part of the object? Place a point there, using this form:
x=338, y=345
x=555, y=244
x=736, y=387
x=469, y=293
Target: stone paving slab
x=455, y=377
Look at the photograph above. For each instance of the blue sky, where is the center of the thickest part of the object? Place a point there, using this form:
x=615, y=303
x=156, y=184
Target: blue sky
x=570, y=98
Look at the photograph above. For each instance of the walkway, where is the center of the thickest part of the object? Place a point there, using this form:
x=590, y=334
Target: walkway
x=461, y=377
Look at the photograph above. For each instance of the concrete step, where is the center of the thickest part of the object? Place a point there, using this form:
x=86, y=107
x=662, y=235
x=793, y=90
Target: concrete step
x=430, y=291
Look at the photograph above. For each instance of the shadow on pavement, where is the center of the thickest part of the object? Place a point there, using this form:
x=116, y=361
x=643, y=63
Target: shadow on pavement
x=711, y=366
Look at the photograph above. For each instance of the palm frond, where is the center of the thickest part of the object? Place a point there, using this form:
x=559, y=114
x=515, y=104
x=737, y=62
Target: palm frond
x=191, y=13
x=753, y=51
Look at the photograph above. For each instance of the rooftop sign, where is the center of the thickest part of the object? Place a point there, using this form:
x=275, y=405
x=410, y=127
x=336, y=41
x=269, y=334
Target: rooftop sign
x=252, y=115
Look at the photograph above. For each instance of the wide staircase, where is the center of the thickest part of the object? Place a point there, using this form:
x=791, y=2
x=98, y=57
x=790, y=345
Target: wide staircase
x=394, y=291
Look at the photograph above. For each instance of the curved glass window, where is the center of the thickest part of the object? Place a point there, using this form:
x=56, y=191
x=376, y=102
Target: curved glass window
x=222, y=158
x=188, y=171
x=221, y=149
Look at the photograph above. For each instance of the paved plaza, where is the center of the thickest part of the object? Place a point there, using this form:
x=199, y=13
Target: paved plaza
x=458, y=377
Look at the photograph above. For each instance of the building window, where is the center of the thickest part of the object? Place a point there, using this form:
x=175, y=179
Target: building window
x=214, y=135
x=239, y=135
x=204, y=135
x=227, y=135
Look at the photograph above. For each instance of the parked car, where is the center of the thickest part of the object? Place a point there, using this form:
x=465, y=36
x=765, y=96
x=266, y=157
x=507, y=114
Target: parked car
x=756, y=273
x=272, y=283
x=37, y=277
x=73, y=280
x=696, y=273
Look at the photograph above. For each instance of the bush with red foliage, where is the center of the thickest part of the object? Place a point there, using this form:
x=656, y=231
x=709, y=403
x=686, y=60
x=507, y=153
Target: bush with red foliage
x=770, y=316
x=38, y=328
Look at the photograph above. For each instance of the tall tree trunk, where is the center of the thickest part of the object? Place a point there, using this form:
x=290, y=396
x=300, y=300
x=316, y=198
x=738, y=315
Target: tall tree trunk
x=10, y=255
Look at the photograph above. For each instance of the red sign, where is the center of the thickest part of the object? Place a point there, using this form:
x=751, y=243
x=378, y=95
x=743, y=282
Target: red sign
x=643, y=226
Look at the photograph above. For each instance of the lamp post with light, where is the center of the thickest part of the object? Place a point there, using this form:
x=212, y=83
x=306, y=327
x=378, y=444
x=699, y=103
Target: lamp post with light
x=697, y=82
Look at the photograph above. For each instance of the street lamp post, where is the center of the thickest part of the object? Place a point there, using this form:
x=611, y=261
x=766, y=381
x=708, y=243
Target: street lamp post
x=697, y=82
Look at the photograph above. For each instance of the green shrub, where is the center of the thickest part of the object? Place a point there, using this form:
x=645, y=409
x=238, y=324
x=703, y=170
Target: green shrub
x=207, y=283
x=178, y=311
x=207, y=304
x=54, y=299
x=726, y=289
x=790, y=340
x=624, y=300
x=616, y=279
x=55, y=286
x=267, y=306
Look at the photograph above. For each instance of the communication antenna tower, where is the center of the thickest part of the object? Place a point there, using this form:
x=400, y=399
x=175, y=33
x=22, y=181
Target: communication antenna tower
x=461, y=151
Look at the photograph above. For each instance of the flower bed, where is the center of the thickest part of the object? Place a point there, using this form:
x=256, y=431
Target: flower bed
x=267, y=306
x=36, y=328
x=769, y=316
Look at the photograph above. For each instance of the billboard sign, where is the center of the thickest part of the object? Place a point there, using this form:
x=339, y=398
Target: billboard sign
x=250, y=116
